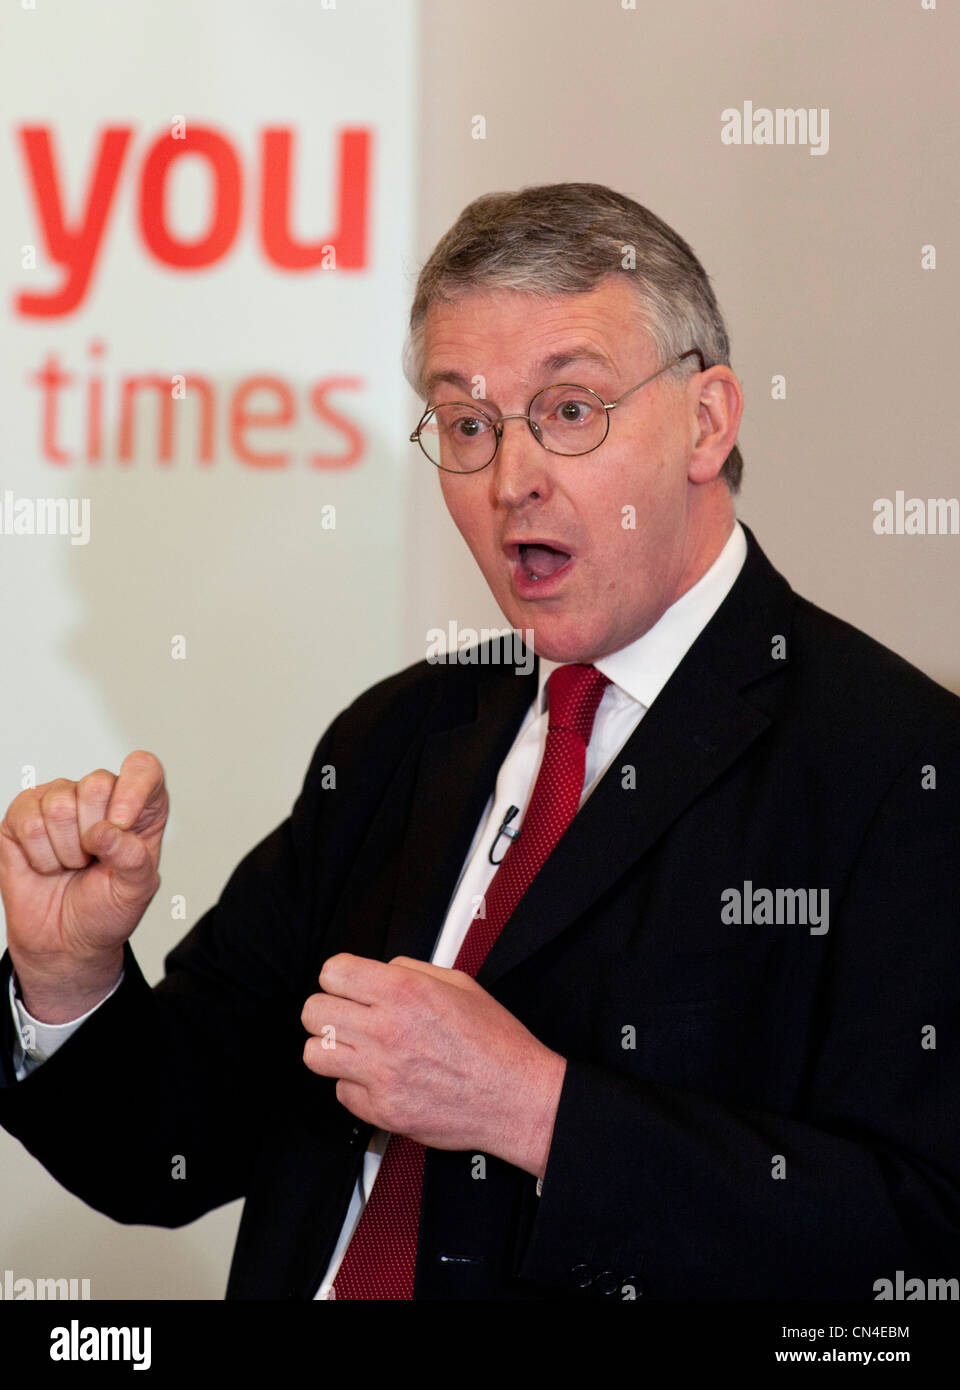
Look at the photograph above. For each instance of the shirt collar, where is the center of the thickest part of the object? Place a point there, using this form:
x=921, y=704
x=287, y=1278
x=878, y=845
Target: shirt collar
x=643, y=668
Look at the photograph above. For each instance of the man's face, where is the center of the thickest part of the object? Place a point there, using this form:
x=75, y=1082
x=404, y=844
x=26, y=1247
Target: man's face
x=619, y=577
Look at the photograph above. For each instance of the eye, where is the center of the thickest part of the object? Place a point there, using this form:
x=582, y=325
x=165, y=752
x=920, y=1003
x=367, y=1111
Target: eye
x=573, y=411
x=469, y=426
x=456, y=423
x=566, y=407
x=565, y=412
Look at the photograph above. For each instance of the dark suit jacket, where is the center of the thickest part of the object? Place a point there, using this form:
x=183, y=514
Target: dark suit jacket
x=782, y=1126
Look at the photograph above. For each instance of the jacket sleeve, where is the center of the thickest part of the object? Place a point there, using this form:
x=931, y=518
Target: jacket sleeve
x=652, y=1190
x=47, y=1037
x=152, y=1111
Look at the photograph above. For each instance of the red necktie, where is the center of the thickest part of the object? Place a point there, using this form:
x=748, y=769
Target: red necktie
x=380, y=1260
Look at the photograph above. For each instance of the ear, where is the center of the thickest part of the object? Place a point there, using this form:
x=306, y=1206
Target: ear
x=716, y=409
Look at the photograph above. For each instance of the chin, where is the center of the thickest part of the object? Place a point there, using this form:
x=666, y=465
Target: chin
x=553, y=639
x=565, y=648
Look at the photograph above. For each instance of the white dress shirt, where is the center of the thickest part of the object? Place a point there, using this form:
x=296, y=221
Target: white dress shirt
x=637, y=674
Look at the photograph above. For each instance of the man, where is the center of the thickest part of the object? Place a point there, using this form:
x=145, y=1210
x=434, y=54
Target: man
x=692, y=1033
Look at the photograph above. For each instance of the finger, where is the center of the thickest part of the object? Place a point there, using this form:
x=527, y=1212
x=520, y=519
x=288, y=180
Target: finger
x=58, y=806
x=339, y=1061
x=355, y=977
x=355, y=1098
x=133, y=871
x=347, y=1019
x=139, y=786
x=439, y=972
x=26, y=826
x=93, y=798
x=13, y=860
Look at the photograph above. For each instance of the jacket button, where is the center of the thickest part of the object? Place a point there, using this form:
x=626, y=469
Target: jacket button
x=608, y=1283
x=630, y=1286
x=582, y=1276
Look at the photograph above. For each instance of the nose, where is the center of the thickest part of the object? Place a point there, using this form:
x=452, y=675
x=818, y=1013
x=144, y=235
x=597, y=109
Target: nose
x=521, y=465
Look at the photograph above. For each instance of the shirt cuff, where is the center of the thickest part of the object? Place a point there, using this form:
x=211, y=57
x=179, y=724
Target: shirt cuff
x=539, y=1186
x=38, y=1041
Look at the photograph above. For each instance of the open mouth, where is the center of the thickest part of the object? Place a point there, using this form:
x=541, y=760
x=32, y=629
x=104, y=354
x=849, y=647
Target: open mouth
x=541, y=561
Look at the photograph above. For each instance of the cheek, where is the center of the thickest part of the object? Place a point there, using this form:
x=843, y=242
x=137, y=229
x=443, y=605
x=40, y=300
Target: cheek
x=626, y=529
x=617, y=514
x=456, y=505
x=471, y=520
x=642, y=501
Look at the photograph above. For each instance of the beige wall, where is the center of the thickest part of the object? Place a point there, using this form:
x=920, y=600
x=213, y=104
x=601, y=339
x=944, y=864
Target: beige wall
x=816, y=263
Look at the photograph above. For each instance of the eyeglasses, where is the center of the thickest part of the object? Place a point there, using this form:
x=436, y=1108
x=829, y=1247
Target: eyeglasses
x=459, y=437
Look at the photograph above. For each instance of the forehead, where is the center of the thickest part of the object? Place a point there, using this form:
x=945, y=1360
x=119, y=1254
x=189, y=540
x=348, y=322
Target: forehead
x=530, y=336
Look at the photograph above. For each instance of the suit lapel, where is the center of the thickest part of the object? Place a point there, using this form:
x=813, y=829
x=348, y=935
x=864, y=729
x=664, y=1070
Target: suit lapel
x=701, y=722
x=456, y=776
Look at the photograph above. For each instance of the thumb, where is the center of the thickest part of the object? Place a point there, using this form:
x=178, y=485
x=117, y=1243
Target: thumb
x=124, y=854
x=439, y=972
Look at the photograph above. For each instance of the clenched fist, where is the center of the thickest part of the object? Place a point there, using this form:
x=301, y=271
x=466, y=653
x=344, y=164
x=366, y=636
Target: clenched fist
x=78, y=868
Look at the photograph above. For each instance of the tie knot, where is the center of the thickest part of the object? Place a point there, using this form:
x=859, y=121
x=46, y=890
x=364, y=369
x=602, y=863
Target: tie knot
x=573, y=694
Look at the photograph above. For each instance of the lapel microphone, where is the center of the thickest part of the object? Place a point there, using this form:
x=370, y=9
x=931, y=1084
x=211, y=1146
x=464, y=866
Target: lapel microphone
x=505, y=829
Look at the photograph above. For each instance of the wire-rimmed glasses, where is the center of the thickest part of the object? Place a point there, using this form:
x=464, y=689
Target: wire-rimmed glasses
x=460, y=437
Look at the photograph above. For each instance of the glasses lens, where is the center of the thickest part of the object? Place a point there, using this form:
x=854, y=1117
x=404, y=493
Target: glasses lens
x=458, y=437
x=569, y=419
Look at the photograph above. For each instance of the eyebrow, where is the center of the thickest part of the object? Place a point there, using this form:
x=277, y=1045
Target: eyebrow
x=546, y=366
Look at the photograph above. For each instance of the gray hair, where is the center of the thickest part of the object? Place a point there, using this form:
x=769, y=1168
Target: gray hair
x=564, y=238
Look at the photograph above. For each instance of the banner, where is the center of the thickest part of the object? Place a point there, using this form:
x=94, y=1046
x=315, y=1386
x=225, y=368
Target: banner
x=203, y=439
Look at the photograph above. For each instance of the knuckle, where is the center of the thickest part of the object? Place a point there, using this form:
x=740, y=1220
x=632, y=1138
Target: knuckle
x=33, y=828
x=101, y=780
x=57, y=784
x=408, y=989
x=19, y=812
x=333, y=966
x=59, y=808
